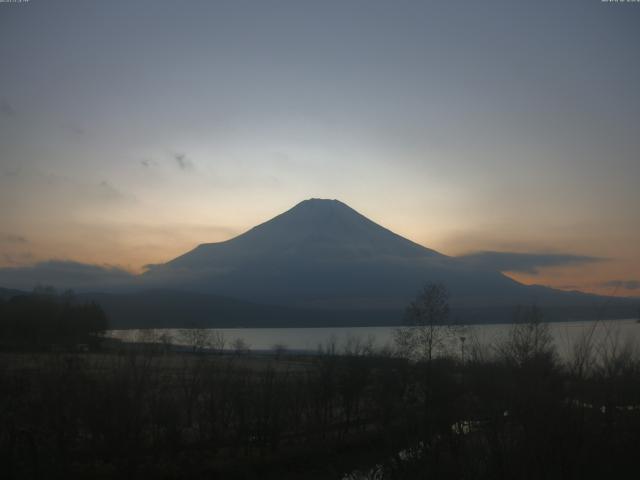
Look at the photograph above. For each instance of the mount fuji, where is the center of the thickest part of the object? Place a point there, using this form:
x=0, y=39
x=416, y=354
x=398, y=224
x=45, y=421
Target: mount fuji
x=320, y=263
x=323, y=256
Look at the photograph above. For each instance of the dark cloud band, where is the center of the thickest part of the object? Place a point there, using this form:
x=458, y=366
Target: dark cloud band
x=525, y=262
x=65, y=274
x=626, y=284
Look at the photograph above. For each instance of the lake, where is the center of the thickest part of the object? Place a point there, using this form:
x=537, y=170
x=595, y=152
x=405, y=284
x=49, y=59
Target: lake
x=565, y=335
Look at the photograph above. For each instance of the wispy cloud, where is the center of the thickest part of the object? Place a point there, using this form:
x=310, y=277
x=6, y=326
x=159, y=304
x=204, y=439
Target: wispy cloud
x=13, y=239
x=148, y=163
x=525, y=262
x=183, y=162
x=108, y=191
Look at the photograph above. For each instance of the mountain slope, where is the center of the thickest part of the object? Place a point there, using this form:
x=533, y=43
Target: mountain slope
x=314, y=228
x=322, y=253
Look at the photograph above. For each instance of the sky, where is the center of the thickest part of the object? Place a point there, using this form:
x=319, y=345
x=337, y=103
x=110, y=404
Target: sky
x=507, y=131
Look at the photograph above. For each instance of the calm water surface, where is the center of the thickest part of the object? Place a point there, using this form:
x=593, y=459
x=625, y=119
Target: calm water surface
x=564, y=334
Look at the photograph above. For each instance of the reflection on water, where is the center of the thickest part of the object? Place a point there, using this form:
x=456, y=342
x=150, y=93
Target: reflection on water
x=565, y=336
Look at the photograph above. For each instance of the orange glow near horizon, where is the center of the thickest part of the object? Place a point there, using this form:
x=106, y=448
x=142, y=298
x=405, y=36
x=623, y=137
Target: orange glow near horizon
x=132, y=246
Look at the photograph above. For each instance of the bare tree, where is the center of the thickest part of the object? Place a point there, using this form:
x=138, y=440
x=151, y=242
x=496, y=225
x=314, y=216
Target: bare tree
x=329, y=347
x=196, y=338
x=428, y=323
x=217, y=341
x=358, y=346
x=529, y=338
x=240, y=346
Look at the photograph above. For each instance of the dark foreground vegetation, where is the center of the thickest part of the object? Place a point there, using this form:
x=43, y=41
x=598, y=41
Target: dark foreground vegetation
x=509, y=411
x=142, y=413
x=45, y=320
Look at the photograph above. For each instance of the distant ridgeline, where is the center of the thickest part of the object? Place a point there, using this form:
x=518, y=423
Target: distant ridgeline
x=45, y=320
x=179, y=309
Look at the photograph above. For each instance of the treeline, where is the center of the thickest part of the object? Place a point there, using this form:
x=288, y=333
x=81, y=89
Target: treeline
x=515, y=410
x=509, y=411
x=44, y=319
